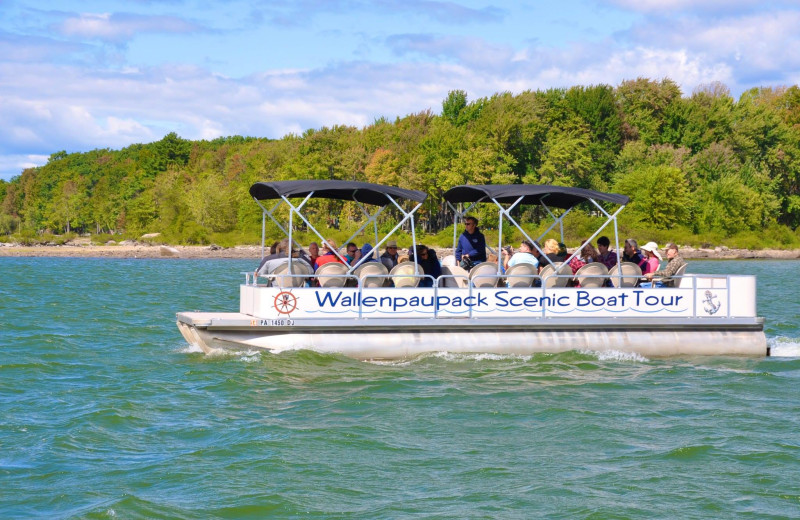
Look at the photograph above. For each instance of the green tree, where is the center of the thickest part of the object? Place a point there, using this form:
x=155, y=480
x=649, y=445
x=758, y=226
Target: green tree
x=727, y=205
x=659, y=196
x=453, y=106
x=566, y=158
x=709, y=115
x=646, y=105
x=598, y=109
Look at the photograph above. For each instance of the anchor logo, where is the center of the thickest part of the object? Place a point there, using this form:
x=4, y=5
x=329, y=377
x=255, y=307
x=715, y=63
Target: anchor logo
x=285, y=302
x=711, y=303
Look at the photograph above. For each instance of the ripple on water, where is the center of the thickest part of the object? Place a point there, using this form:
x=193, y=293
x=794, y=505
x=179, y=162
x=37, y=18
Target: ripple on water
x=110, y=414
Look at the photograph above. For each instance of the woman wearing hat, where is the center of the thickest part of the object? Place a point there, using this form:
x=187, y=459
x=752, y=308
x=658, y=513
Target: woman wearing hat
x=653, y=258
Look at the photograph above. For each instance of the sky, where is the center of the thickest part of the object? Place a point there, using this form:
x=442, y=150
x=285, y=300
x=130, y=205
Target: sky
x=86, y=74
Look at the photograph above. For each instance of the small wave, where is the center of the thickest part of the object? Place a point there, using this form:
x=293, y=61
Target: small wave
x=782, y=346
x=454, y=357
x=190, y=349
x=461, y=357
x=250, y=356
x=476, y=356
x=616, y=355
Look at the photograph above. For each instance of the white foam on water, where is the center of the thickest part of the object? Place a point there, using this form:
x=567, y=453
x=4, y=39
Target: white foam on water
x=250, y=356
x=454, y=356
x=616, y=355
x=190, y=349
x=782, y=346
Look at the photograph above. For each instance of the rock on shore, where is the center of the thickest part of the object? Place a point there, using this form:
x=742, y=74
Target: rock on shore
x=134, y=249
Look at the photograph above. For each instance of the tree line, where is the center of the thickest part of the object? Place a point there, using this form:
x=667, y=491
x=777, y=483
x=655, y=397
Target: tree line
x=705, y=163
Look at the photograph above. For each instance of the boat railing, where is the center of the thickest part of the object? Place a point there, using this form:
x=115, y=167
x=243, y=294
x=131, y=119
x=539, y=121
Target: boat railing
x=698, y=285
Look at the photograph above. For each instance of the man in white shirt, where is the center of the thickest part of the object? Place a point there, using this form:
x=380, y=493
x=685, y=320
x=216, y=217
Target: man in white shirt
x=523, y=256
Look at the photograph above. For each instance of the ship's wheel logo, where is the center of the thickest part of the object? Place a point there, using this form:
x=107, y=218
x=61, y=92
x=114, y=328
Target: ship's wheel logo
x=285, y=302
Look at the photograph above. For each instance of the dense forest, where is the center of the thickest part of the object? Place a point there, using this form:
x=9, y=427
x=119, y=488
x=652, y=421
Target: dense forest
x=702, y=167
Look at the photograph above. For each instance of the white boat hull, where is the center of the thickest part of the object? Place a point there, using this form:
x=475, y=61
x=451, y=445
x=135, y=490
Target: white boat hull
x=399, y=339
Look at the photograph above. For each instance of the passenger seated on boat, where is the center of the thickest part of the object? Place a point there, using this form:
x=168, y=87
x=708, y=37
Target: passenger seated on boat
x=313, y=252
x=523, y=256
x=550, y=252
x=587, y=255
x=328, y=254
x=276, y=257
x=270, y=263
x=367, y=251
x=604, y=255
x=352, y=253
x=471, y=247
x=676, y=261
x=426, y=259
x=389, y=258
x=653, y=258
x=631, y=253
x=562, y=252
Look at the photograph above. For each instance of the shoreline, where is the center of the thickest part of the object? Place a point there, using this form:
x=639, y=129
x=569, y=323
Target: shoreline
x=141, y=250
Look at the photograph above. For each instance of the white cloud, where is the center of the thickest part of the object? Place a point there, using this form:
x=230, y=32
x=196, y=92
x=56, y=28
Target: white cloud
x=765, y=45
x=697, y=6
x=74, y=105
x=120, y=27
x=13, y=165
x=469, y=51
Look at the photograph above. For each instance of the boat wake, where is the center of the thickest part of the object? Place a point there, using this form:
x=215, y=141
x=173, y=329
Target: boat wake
x=616, y=355
x=190, y=349
x=782, y=346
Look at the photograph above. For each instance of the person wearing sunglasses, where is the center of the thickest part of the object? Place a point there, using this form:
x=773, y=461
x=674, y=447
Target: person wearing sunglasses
x=471, y=248
x=352, y=253
x=390, y=257
x=426, y=259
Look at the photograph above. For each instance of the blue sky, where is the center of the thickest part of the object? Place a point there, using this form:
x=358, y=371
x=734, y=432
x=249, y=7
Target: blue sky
x=79, y=75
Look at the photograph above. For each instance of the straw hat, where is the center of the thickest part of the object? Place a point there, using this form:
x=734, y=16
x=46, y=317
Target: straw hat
x=653, y=248
x=332, y=243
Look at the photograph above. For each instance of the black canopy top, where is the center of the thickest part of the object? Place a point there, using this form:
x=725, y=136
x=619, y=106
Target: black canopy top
x=553, y=196
x=364, y=192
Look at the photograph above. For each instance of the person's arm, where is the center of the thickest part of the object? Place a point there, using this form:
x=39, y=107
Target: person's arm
x=673, y=267
x=459, y=249
x=481, y=247
x=436, y=268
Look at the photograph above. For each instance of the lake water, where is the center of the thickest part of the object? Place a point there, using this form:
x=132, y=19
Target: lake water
x=107, y=413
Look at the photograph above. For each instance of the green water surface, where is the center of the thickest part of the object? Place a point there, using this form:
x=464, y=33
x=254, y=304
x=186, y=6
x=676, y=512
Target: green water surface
x=107, y=413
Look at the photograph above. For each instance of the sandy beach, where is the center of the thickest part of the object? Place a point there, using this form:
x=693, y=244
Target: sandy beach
x=131, y=249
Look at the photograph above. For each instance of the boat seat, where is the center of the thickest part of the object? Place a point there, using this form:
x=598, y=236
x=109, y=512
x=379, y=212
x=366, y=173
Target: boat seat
x=332, y=274
x=547, y=272
x=521, y=275
x=593, y=274
x=371, y=274
x=403, y=274
x=449, y=260
x=458, y=276
x=631, y=273
x=674, y=281
x=298, y=268
x=484, y=275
